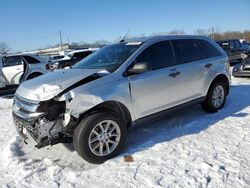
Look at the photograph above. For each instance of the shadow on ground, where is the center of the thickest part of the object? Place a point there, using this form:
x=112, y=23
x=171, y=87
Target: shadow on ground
x=187, y=121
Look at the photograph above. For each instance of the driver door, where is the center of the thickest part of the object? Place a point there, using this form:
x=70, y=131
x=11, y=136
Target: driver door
x=157, y=89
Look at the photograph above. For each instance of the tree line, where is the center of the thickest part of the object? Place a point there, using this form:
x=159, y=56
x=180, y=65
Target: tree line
x=213, y=33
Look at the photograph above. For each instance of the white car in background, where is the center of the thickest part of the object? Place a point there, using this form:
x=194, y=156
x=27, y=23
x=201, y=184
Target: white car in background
x=72, y=58
x=15, y=69
x=55, y=57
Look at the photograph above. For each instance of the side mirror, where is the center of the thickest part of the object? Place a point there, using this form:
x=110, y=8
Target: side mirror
x=138, y=68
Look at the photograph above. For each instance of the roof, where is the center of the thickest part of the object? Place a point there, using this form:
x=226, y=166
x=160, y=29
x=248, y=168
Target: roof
x=83, y=50
x=36, y=56
x=165, y=37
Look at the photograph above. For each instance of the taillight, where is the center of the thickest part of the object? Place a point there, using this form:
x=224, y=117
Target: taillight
x=47, y=66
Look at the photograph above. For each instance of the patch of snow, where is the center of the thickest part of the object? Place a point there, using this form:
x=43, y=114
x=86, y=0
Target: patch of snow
x=191, y=148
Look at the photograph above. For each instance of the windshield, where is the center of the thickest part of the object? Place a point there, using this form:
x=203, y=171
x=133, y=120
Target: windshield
x=109, y=58
x=246, y=45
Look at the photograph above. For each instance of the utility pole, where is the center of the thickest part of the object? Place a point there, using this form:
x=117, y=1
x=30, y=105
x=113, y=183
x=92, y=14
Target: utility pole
x=60, y=33
x=212, y=29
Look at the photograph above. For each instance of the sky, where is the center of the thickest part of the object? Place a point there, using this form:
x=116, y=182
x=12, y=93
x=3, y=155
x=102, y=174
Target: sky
x=32, y=24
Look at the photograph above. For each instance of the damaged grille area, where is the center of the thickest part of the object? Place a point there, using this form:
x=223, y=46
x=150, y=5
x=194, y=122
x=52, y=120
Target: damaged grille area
x=52, y=108
x=41, y=120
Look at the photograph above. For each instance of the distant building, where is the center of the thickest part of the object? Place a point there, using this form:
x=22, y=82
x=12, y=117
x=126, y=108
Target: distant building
x=50, y=51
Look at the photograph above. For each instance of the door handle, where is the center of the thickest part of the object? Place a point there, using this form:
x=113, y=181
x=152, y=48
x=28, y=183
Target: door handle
x=174, y=74
x=208, y=65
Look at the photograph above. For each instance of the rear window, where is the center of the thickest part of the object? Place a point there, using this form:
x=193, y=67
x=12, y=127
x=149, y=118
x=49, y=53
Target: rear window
x=208, y=49
x=187, y=50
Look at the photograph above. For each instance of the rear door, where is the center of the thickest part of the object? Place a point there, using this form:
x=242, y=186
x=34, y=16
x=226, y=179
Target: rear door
x=157, y=89
x=12, y=69
x=193, y=68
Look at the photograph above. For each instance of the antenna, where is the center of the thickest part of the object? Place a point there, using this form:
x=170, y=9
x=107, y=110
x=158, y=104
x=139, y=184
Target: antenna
x=123, y=39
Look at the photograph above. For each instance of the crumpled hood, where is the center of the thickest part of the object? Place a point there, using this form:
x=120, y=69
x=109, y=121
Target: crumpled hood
x=51, y=84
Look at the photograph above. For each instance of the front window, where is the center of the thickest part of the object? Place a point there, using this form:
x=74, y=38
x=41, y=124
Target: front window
x=110, y=57
x=246, y=46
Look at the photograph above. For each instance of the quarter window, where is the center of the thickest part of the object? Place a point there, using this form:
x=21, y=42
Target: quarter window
x=208, y=49
x=31, y=60
x=158, y=55
x=187, y=50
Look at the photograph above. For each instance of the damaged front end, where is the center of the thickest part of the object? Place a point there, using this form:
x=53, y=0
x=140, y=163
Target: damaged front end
x=47, y=122
x=50, y=121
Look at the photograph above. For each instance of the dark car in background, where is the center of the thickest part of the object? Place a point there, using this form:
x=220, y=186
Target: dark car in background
x=246, y=46
x=242, y=70
x=235, y=50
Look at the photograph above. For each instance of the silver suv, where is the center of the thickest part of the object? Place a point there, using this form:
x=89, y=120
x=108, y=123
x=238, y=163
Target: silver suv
x=94, y=102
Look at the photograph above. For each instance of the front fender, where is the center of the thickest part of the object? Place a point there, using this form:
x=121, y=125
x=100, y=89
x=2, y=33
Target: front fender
x=116, y=91
x=82, y=103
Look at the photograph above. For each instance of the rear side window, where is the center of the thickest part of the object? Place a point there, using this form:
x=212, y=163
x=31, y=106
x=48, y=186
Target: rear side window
x=187, y=50
x=11, y=61
x=158, y=55
x=208, y=49
x=31, y=60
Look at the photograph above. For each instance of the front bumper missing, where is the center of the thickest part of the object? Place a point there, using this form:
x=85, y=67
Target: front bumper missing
x=23, y=128
x=22, y=131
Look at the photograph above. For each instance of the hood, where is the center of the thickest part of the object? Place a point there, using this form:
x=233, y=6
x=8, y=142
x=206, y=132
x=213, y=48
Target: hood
x=51, y=84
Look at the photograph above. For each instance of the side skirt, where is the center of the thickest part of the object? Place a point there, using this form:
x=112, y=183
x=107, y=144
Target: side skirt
x=169, y=111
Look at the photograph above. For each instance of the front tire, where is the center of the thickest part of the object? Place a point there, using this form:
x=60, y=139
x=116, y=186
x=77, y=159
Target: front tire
x=216, y=97
x=99, y=137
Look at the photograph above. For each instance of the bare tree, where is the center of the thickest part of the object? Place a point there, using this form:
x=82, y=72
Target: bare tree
x=4, y=48
x=177, y=32
x=203, y=32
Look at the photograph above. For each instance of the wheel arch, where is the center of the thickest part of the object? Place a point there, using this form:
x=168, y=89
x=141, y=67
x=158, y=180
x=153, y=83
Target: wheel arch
x=112, y=106
x=221, y=77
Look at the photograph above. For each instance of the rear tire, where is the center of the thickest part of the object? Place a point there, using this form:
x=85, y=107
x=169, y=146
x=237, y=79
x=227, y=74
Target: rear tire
x=99, y=137
x=216, y=97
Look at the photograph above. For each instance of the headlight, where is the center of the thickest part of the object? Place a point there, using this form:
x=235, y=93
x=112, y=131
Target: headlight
x=235, y=69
